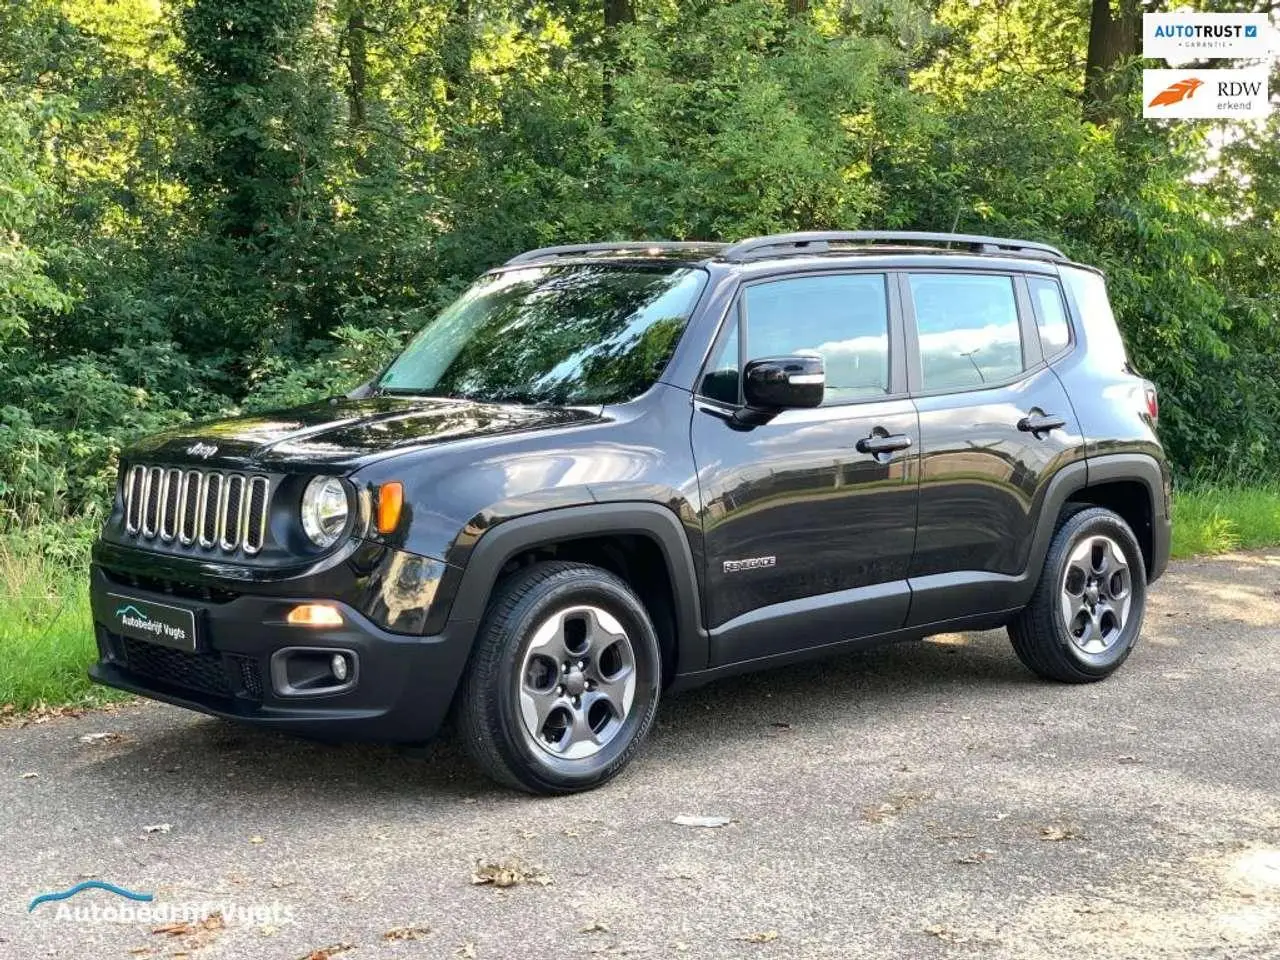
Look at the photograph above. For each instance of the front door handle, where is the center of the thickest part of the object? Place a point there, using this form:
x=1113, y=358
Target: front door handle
x=1039, y=423
x=877, y=444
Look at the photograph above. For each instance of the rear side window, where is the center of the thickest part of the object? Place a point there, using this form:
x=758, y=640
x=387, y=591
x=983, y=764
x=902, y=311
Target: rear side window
x=1089, y=292
x=1051, y=315
x=843, y=318
x=967, y=326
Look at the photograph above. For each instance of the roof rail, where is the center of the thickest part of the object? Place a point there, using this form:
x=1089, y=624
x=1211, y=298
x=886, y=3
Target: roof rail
x=820, y=241
x=573, y=249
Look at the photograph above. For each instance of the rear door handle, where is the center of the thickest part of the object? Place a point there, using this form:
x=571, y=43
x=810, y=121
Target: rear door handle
x=1037, y=424
x=877, y=444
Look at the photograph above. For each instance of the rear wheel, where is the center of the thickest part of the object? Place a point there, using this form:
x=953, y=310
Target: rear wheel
x=563, y=683
x=1086, y=613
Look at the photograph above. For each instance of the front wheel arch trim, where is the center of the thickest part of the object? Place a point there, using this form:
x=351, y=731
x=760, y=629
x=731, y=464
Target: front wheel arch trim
x=509, y=539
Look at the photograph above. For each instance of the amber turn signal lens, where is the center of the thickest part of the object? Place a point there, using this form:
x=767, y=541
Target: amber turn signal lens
x=314, y=615
x=390, y=500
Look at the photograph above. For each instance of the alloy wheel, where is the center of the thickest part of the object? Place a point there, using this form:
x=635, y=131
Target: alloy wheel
x=1096, y=595
x=577, y=682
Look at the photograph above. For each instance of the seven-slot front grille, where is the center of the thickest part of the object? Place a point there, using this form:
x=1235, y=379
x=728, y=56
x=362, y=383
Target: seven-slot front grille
x=208, y=507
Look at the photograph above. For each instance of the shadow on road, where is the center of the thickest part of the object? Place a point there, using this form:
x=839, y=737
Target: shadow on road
x=211, y=755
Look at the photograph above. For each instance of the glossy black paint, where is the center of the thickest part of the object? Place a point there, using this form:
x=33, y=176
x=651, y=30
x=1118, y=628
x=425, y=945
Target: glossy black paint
x=342, y=434
x=797, y=490
x=783, y=383
x=884, y=519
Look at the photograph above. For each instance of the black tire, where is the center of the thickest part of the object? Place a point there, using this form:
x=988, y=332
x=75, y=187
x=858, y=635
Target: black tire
x=488, y=709
x=1040, y=634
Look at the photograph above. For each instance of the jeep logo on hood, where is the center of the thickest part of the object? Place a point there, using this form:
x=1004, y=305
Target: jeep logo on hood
x=202, y=450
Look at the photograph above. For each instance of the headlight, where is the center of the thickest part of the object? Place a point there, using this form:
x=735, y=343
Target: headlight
x=324, y=510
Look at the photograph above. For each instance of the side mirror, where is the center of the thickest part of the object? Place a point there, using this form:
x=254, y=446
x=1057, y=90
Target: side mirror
x=782, y=383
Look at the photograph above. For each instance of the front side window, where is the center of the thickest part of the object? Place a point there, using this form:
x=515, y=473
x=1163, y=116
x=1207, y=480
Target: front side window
x=967, y=326
x=842, y=318
x=562, y=334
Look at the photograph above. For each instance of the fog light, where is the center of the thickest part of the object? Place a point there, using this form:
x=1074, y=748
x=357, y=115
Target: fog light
x=314, y=615
x=339, y=667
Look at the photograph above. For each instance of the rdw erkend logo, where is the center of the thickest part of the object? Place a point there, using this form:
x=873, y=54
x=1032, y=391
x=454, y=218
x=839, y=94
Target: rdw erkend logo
x=1176, y=92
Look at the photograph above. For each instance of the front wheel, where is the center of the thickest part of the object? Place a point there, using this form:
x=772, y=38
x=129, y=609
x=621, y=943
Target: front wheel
x=563, y=682
x=1086, y=613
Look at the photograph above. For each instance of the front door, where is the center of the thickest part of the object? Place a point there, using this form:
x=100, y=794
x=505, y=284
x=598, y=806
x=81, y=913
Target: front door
x=809, y=519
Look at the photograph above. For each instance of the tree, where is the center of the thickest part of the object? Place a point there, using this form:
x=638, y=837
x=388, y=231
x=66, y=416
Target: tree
x=1113, y=36
x=25, y=287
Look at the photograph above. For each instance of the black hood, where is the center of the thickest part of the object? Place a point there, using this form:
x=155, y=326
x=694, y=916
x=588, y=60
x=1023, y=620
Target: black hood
x=346, y=432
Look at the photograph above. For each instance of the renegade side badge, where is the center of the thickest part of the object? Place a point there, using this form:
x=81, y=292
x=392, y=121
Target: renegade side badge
x=754, y=563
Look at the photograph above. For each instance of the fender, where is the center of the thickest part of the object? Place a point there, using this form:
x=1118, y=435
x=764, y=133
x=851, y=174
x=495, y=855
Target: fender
x=938, y=597
x=512, y=537
x=1154, y=475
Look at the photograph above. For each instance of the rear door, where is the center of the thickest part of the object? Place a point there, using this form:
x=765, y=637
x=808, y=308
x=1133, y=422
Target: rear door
x=800, y=523
x=995, y=425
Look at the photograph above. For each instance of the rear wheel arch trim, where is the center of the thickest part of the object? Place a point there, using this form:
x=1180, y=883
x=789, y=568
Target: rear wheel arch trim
x=513, y=537
x=1080, y=476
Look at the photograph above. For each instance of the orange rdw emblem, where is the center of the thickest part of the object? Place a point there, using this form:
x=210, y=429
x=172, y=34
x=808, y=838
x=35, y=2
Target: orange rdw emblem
x=1176, y=92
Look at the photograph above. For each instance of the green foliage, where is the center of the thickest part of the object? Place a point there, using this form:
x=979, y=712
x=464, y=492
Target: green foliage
x=212, y=205
x=44, y=606
x=24, y=285
x=1217, y=518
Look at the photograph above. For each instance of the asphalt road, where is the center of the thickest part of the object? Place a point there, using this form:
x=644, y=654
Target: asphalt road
x=926, y=800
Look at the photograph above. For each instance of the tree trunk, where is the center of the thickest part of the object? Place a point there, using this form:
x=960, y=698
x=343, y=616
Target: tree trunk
x=1111, y=40
x=616, y=13
x=357, y=68
x=457, y=49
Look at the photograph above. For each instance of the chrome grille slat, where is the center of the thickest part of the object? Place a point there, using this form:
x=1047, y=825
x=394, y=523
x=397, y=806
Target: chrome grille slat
x=151, y=496
x=170, y=491
x=232, y=524
x=210, y=505
x=255, y=534
x=211, y=508
x=189, y=507
x=133, y=500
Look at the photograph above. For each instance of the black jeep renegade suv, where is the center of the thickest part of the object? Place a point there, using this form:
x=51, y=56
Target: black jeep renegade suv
x=616, y=469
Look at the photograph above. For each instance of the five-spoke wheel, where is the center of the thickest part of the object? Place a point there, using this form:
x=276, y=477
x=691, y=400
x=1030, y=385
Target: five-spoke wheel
x=1097, y=591
x=577, y=682
x=563, y=681
x=1086, y=612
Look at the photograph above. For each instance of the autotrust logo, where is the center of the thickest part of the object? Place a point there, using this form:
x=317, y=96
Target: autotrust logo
x=1176, y=92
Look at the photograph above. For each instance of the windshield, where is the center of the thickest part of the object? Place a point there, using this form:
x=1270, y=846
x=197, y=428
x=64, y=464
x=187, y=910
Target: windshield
x=585, y=334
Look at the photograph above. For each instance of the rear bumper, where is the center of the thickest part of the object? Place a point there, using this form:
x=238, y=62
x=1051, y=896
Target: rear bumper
x=1161, y=545
x=401, y=689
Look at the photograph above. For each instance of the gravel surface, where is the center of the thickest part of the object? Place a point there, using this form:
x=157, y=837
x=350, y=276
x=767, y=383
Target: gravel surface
x=924, y=800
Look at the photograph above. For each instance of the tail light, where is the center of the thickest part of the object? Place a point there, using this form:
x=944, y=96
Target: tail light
x=1153, y=403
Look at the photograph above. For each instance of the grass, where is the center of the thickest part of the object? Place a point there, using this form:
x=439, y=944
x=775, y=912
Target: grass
x=1209, y=519
x=46, y=642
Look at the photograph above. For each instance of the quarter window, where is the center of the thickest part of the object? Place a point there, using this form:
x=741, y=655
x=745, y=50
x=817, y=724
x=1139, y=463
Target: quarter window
x=842, y=318
x=968, y=329
x=1051, y=315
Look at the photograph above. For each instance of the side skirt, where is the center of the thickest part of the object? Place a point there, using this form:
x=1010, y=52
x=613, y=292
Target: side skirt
x=986, y=621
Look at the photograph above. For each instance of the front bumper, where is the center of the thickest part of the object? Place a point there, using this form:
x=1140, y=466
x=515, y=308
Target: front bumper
x=403, y=685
